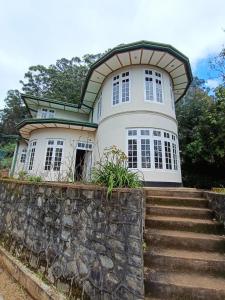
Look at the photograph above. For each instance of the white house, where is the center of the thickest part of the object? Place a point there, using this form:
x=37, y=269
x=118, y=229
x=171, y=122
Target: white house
x=128, y=101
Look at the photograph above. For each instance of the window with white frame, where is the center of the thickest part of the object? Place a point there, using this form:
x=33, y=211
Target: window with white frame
x=121, y=88
x=158, y=87
x=132, y=153
x=85, y=145
x=125, y=87
x=149, y=148
x=116, y=89
x=158, y=154
x=168, y=155
x=145, y=149
x=132, y=148
x=23, y=156
x=47, y=113
x=32, y=154
x=53, y=159
x=172, y=96
x=153, y=86
x=149, y=94
x=145, y=154
x=99, y=107
x=175, y=164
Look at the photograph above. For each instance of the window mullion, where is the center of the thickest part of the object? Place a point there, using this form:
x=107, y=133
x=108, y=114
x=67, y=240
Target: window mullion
x=152, y=150
x=163, y=153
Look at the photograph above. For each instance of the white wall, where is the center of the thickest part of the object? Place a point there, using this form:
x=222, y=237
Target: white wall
x=70, y=138
x=113, y=125
x=18, y=165
x=115, y=120
x=113, y=131
x=137, y=94
x=67, y=115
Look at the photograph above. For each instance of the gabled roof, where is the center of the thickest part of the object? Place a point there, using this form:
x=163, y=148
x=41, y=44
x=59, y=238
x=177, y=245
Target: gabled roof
x=143, y=52
x=32, y=103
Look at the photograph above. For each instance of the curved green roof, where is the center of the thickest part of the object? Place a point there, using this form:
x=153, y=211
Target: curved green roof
x=28, y=125
x=147, y=45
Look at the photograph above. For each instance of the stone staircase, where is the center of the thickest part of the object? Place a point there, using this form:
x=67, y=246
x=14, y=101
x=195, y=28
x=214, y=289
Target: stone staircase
x=185, y=254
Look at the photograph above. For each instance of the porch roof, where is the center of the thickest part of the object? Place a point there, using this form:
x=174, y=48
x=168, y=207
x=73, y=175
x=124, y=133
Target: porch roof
x=28, y=125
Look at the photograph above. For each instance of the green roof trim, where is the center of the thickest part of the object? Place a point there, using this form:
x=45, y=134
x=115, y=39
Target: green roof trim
x=149, y=45
x=53, y=120
x=137, y=45
x=53, y=101
x=9, y=136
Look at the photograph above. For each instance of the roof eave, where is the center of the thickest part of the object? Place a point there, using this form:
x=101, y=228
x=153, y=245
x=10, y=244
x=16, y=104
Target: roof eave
x=137, y=45
x=52, y=120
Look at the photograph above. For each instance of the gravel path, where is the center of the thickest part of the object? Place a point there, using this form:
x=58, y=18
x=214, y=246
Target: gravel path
x=10, y=289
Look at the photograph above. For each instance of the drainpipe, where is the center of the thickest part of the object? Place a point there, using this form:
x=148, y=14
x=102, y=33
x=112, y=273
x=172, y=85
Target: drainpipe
x=12, y=170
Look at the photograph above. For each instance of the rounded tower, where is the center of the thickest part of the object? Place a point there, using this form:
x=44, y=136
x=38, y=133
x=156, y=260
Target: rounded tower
x=133, y=90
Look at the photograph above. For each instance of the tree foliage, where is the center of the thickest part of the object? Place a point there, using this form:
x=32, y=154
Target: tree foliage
x=62, y=81
x=201, y=120
x=13, y=112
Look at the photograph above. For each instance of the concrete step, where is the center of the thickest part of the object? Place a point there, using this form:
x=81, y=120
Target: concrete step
x=174, y=192
x=178, y=211
x=177, y=201
x=172, y=260
x=184, y=224
x=184, y=240
x=178, y=285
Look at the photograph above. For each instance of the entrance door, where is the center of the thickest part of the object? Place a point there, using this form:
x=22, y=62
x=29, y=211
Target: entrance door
x=79, y=165
x=83, y=161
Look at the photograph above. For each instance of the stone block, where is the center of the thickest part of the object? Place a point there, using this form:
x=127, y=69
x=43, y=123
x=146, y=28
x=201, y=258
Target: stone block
x=67, y=221
x=63, y=287
x=106, y=262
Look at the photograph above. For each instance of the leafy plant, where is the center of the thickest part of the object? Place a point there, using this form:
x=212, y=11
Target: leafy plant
x=112, y=171
x=34, y=178
x=6, y=155
x=22, y=175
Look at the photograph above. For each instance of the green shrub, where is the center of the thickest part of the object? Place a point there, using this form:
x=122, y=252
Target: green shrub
x=34, y=178
x=112, y=171
x=22, y=175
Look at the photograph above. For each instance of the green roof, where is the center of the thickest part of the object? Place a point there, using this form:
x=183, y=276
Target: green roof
x=53, y=120
x=82, y=107
x=32, y=101
x=137, y=45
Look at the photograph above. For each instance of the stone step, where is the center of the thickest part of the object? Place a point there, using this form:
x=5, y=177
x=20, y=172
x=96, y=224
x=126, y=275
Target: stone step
x=178, y=285
x=184, y=240
x=174, y=192
x=184, y=224
x=179, y=211
x=182, y=260
x=177, y=201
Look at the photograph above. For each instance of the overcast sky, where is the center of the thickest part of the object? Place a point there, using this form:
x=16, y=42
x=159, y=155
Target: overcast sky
x=42, y=31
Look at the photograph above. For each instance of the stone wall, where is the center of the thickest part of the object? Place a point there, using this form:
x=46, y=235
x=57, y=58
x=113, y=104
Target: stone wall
x=76, y=237
x=217, y=204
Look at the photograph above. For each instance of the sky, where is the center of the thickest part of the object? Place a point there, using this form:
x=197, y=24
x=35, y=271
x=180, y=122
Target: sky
x=40, y=32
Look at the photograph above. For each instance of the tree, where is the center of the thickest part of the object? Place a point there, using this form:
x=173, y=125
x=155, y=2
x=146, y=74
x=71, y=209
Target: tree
x=62, y=81
x=218, y=64
x=201, y=121
x=13, y=112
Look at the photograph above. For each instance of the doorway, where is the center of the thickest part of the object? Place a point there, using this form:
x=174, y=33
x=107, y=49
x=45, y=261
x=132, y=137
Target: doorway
x=82, y=165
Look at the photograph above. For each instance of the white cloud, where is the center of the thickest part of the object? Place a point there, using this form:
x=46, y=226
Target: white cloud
x=39, y=32
x=212, y=83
